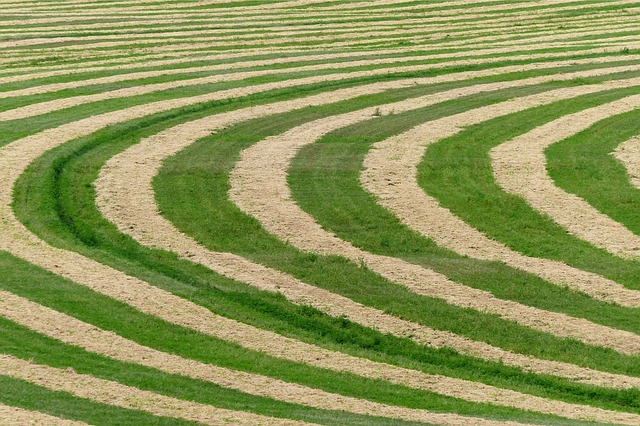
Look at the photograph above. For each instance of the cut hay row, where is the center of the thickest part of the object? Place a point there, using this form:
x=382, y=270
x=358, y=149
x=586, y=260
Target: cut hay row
x=34, y=7
x=112, y=393
x=183, y=64
x=13, y=416
x=273, y=26
x=77, y=333
x=47, y=88
x=32, y=37
x=336, y=39
x=53, y=40
x=125, y=182
x=181, y=51
x=523, y=159
x=628, y=153
x=390, y=175
x=259, y=188
x=235, y=31
x=299, y=348
x=41, y=108
x=141, y=295
x=450, y=10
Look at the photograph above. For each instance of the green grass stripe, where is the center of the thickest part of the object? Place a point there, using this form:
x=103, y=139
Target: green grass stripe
x=194, y=59
x=471, y=36
x=19, y=393
x=242, y=29
x=191, y=65
x=75, y=217
x=79, y=30
x=191, y=197
x=459, y=184
x=193, y=51
x=263, y=21
x=423, y=38
x=583, y=165
x=282, y=73
x=112, y=315
x=15, y=129
x=196, y=221
x=55, y=197
x=369, y=45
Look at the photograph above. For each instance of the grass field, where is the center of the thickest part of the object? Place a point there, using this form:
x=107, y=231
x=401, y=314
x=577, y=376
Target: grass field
x=382, y=212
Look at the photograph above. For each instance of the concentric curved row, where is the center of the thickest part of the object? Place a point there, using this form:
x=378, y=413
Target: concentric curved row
x=264, y=306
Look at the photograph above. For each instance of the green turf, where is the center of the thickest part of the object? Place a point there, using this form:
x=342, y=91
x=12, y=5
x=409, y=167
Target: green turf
x=458, y=173
x=83, y=223
x=109, y=314
x=55, y=197
x=583, y=165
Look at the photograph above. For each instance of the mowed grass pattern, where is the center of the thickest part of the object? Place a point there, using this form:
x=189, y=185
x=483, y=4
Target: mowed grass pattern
x=303, y=212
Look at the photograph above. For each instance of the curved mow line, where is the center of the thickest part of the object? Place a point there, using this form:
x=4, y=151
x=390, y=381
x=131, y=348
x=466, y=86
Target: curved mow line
x=182, y=50
x=628, y=153
x=519, y=167
x=391, y=175
x=47, y=88
x=243, y=39
x=359, y=59
x=125, y=197
x=50, y=106
x=217, y=34
x=115, y=394
x=187, y=56
x=46, y=107
x=336, y=40
x=74, y=332
x=14, y=416
x=160, y=25
x=259, y=187
x=278, y=5
x=16, y=239
x=232, y=30
x=262, y=18
x=532, y=20
x=344, y=28
x=219, y=42
x=244, y=10
x=77, y=333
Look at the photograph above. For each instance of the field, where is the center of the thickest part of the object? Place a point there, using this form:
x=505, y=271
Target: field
x=288, y=212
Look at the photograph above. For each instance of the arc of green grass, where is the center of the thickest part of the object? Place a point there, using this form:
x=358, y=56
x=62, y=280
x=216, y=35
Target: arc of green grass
x=583, y=165
x=470, y=182
x=22, y=394
x=22, y=342
x=84, y=163
x=195, y=227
